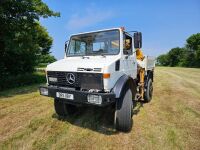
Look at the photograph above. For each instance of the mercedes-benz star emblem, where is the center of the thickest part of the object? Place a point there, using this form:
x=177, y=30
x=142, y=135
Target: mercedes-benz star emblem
x=70, y=78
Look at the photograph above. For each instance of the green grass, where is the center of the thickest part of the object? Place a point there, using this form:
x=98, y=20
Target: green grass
x=170, y=121
x=8, y=82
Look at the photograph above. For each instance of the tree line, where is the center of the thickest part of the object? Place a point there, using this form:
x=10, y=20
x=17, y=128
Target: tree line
x=24, y=43
x=187, y=56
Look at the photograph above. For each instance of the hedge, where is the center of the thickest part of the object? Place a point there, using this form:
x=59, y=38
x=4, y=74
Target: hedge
x=7, y=82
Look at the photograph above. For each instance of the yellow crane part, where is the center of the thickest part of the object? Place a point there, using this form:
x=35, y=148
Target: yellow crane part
x=142, y=74
x=140, y=57
x=139, y=54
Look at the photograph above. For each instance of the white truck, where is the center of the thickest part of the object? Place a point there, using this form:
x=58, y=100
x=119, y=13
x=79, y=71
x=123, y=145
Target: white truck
x=101, y=68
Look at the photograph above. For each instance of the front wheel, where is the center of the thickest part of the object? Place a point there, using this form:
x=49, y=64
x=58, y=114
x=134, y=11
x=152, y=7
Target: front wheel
x=123, y=112
x=63, y=109
x=59, y=107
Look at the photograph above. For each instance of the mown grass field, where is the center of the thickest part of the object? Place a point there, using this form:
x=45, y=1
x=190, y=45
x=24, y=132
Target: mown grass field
x=170, y=121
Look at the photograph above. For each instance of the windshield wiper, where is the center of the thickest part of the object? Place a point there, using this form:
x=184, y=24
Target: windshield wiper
x=83, y=57
x=103, y=55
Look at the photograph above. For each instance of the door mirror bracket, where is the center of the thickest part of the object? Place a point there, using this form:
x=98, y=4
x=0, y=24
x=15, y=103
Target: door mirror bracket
x=66, y=44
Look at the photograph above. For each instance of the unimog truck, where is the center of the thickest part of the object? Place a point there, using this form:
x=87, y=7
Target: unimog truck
x=101, y=68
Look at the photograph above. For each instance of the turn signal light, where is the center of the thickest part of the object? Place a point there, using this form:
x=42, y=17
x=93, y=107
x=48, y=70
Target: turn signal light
x=106, y=75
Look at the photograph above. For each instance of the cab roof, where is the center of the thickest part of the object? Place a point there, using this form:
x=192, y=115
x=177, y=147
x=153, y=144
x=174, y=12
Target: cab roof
x=97, y=31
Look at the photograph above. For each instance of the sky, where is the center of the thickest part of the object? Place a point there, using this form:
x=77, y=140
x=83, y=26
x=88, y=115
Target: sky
x=164, y=24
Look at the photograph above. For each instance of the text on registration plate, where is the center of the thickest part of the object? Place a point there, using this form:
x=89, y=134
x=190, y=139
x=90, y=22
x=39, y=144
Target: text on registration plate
x=64, y=95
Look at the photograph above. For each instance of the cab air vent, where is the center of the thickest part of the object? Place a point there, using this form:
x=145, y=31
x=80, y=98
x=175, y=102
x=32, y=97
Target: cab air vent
x=89, y=69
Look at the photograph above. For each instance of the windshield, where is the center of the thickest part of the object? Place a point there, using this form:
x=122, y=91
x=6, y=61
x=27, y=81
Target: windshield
x=98, y=43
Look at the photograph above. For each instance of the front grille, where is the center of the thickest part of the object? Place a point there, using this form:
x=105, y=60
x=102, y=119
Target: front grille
x=62, y=79
x=82, y=80
x=91, y=81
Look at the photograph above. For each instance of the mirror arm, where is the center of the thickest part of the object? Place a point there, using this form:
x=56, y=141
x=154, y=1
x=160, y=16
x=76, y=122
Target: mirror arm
x=66, y=45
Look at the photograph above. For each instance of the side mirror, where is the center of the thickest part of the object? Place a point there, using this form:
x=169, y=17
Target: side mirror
x=66, y=44
x=138, y=40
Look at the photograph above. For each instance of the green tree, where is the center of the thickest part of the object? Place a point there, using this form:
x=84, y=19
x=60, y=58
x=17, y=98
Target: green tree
x=193, y=46
x=22, y=38
x=175, y=56
x=172, y=58
x=46, y=59
x=163, y=60
x=188, y=56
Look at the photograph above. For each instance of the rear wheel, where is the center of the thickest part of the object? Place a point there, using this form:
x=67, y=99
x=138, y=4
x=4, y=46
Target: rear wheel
x=123, y=112
x=63, y=109
x=149, y=91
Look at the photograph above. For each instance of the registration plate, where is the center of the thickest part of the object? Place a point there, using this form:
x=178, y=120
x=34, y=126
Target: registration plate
x=64, y=95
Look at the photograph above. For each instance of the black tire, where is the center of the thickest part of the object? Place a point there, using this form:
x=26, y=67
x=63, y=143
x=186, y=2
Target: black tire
x=63, y=109
x=123, y=112
x=71, y=109
x=59, y=107
x=149, y=91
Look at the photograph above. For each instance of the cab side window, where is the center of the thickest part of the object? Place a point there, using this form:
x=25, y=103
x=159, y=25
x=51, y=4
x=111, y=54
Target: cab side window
x=127, y=42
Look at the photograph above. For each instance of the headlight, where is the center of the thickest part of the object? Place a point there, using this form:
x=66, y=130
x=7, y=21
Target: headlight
x=52, y=79
x=95, y=99
x=44, y=91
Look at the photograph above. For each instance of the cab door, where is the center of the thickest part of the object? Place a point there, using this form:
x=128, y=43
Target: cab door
x=129, y=56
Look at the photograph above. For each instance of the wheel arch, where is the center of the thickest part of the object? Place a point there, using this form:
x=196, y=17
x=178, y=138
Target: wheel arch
x=122, y=83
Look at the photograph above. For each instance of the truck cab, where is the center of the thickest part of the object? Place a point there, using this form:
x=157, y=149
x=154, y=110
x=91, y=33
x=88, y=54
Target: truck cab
x=99, y=68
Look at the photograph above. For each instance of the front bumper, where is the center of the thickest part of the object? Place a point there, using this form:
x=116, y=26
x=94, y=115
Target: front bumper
x=80, y=97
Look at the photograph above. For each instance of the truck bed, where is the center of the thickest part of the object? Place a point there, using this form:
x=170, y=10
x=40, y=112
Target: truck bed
x=148, y=63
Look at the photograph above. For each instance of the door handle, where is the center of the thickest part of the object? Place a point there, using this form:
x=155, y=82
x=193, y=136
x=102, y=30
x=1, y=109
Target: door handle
x=126, y=57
